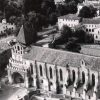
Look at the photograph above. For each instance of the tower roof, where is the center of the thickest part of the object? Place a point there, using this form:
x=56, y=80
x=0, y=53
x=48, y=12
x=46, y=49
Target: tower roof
x=26, y=35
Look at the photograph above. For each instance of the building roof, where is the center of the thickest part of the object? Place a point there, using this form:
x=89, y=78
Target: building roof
x=62, y=58
x=93, y=50
x=70, y=17
x=90, y=21
x=21, y=36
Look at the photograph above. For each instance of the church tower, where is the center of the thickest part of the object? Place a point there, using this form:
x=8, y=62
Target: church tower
x=19, y=69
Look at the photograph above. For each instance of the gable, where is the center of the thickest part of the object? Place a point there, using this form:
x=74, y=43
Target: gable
x=18, y=49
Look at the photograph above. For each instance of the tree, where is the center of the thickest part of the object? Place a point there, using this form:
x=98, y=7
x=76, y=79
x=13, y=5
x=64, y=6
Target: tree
x=72, y=7
x=47, y=7
x=12, y=10
x=89, y=38
x=30, y=5
x=3, y=4
x=12, y=19
x=72, y=45
x=30, y=32
x=67, y=1
x=80, y=35
x=66, y=33
x=52, y=18
x=60, y=9
x=87, y=12
x=37, y=20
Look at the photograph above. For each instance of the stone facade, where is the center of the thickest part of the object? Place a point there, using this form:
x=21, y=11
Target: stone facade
x=51, y=77
x=54, y=71
x=70, y=20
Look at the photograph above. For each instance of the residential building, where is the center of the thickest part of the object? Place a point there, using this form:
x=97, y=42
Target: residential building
x=92, y=1
x=97, y=35
x=55, y=71
x=91, y=25
x=59, y=1
x=70, y=20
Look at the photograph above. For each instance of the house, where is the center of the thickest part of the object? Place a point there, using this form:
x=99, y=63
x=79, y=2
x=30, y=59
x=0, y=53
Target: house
x=55, y=71
x=91, y=24
x=70, y=20
x=59, y=1
x=97, y=35
x=92, y=1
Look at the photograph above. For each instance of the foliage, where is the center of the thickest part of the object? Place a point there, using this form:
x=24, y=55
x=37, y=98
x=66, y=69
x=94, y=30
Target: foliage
x=80, y=35
x=66, y=32
x=12, y=10
x=72, y=45
x=89, y=38
x=87, y=12
x=52, y=18
x=67, y=8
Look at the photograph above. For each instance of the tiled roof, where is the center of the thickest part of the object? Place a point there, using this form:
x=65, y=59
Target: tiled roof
x=61, y=58
x=93, y=50
x=90, y=21
x=70, y=17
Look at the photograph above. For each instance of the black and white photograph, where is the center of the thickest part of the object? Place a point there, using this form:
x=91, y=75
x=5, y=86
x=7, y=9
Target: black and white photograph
x=49, y=49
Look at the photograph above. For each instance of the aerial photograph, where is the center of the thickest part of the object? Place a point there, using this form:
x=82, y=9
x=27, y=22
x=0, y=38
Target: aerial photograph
x=49, y=49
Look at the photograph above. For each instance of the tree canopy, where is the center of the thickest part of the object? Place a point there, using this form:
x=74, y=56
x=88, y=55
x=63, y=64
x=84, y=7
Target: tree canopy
x=72, y=45
x=87, y=12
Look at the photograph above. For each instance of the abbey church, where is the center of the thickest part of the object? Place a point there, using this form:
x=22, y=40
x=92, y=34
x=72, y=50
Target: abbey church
x=55, y=71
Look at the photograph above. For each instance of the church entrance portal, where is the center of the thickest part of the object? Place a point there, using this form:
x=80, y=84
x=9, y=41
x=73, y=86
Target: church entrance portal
x=17, y=78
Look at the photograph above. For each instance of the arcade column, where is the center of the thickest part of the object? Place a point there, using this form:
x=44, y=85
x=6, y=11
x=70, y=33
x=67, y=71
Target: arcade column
x=26, y=81
x=10, y=77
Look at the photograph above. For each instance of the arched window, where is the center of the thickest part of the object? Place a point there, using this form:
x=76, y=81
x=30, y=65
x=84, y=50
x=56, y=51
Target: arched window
x=31, y=68
x=41, y=74
x=93, y=80
x=18, y=48
x=73, y=72
x=61, y=76
x=83, y=77
x=50, y=70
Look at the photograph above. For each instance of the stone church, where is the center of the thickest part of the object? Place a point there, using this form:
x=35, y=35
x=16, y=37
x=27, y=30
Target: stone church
x=55, y=71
